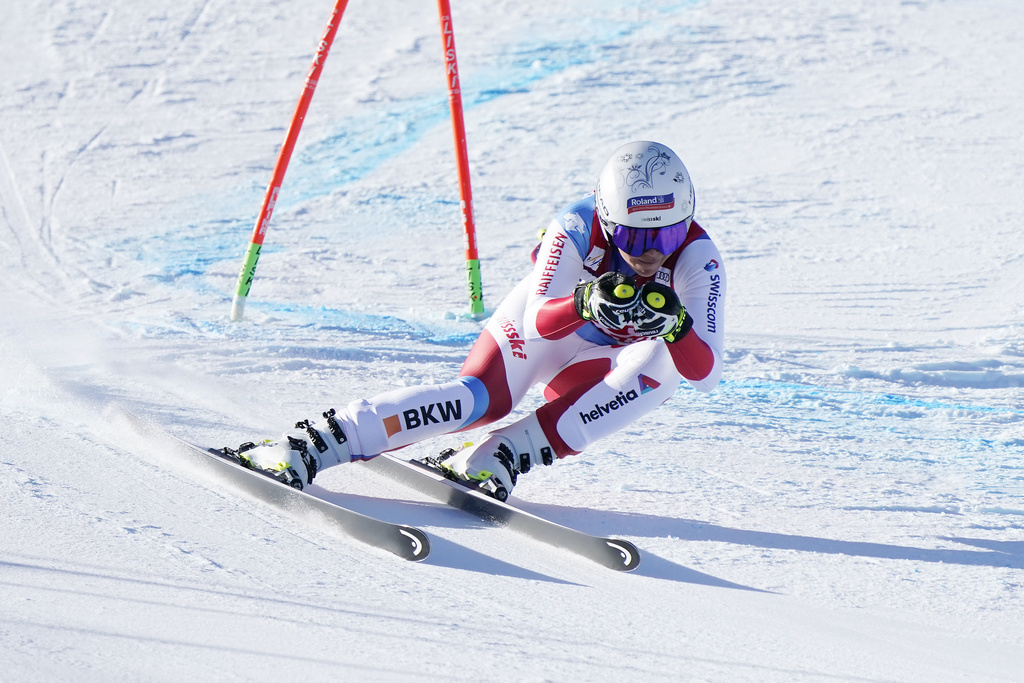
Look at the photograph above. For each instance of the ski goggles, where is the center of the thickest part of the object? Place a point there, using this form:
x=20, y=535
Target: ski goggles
x=635, y=241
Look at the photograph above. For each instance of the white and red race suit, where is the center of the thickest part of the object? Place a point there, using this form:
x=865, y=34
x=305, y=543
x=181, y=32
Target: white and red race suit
x=595, y=382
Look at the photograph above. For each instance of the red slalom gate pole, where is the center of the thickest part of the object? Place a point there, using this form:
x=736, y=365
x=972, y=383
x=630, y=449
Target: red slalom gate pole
x=284, y=156
x=476, y=295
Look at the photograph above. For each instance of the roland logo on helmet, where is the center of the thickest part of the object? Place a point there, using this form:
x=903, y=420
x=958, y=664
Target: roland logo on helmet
x=653, y=202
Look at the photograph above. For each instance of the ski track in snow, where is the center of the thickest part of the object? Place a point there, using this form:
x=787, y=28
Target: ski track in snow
x=847, y=505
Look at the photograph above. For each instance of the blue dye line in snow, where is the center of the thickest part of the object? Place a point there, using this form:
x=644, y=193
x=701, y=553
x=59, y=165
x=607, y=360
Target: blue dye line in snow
x=363, y=143
x=820, y=392
x=391, y=327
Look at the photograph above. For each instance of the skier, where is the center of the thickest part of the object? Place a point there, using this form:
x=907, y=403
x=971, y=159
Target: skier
x=624, y=301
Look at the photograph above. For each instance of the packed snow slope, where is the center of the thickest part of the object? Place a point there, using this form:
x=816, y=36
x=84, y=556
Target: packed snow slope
x=848, y=505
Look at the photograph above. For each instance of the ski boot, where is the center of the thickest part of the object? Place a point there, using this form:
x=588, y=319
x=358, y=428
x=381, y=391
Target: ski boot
x=495, y=464
x=490, y=465
x=299, y=454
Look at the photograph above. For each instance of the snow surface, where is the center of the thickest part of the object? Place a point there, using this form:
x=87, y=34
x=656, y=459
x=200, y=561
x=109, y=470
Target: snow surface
x=848, y=505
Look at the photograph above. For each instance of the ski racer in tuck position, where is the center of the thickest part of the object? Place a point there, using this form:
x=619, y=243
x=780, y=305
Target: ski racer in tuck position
x=625, y=300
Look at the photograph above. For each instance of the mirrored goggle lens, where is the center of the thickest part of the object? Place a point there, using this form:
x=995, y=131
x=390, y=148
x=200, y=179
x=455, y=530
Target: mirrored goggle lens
x=635, y=241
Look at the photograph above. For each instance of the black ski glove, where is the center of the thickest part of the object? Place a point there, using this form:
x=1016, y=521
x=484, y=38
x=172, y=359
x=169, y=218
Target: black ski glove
x=659, y=314
x=608, y=301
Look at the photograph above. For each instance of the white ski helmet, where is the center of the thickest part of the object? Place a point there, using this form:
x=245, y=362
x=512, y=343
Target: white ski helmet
x=644, y=185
